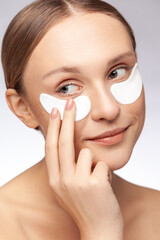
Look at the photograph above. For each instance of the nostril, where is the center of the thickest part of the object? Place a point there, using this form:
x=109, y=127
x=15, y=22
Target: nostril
x=109, y=111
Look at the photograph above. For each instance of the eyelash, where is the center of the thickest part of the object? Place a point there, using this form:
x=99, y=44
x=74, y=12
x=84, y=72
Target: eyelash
x=126, y=68
x=59, y=88
x=64, y=84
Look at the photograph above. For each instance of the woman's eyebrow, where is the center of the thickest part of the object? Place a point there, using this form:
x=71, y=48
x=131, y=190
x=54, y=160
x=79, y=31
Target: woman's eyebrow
x=73, y=69
x=121, y=57
x=64, y=69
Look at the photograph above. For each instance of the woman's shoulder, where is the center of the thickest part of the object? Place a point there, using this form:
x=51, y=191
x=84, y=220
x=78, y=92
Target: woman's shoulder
x=13, y=207
x=145, y=221
x=146, y=196
x=144, y=208
x=8, y=193
x=7, y=214
x=127, y=190
x=17, y=189
x=147, y=201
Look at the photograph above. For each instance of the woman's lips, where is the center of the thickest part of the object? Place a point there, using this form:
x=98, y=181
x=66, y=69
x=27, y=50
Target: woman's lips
x=110, y=137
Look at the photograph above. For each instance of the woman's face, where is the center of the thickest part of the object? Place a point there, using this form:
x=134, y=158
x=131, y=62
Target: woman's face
x=92, y=52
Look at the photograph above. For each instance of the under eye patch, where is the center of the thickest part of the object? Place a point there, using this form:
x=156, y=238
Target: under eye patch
x=125, y=92
x=83, y=105
x=128, y=91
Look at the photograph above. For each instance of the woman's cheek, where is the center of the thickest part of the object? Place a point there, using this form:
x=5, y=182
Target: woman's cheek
x=134, y=114
x=138, y=110
x=43, y=119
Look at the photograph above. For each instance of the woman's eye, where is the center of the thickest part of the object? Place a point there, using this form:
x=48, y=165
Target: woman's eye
x=118, y=73
x=68, y=89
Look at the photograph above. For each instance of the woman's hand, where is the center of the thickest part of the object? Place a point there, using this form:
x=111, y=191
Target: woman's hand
x=85, y=194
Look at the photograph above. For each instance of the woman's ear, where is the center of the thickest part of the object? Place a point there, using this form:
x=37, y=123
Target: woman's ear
x=20, y=108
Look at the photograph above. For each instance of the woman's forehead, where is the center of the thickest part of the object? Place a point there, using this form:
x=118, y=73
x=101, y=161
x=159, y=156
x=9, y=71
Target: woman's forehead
x=82, y=32
x=82, y=38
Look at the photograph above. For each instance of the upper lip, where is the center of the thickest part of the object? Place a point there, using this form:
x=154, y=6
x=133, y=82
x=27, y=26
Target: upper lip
x=109, y=133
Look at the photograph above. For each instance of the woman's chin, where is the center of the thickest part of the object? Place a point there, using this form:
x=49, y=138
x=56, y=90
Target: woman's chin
x=114, y=163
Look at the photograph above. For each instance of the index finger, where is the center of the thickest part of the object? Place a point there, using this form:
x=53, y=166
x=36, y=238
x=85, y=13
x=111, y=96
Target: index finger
x=51, y=146
x=66, y=140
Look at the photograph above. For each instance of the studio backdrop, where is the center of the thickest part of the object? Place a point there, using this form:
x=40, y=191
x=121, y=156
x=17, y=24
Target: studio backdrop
x=21, y=147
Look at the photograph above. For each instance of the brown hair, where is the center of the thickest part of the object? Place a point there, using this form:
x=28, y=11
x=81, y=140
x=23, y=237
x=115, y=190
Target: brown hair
x=33, y=22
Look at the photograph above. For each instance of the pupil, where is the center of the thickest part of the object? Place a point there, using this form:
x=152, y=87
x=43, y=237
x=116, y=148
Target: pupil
x=114, y=74
x=65, y=89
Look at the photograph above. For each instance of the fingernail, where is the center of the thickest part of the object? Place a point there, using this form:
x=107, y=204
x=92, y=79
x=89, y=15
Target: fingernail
x=54, y=113
x=69, y=104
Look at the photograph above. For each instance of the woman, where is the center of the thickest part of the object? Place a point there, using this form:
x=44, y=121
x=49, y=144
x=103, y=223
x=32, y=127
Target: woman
x=69, y=49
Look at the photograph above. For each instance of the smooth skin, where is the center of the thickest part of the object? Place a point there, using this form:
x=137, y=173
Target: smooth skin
x=73, y=193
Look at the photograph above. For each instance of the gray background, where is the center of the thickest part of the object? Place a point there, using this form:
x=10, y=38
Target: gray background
x=20, y=147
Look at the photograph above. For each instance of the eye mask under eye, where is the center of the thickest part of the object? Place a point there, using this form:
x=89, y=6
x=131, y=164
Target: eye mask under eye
x=128, y=91
x=83, y=105
x=125, y=92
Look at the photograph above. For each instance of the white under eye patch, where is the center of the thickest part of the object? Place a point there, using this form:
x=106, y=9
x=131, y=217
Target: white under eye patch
x=83, y=105
x=128, y=91
x=125, y=92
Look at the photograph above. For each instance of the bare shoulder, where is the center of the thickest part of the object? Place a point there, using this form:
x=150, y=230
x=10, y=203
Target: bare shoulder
x=5, y=203
x=4, y=211
x=12, y=207
x=145, y=220
x=7, y=216
x=149, y=198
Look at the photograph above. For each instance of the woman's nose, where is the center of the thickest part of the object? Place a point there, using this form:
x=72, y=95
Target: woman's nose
x=104, y=106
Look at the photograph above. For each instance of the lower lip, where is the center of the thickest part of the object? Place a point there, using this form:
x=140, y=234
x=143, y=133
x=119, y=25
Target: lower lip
x=111, y=140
